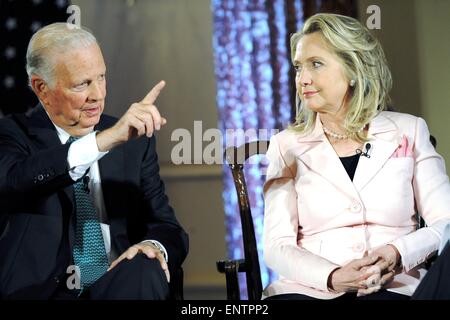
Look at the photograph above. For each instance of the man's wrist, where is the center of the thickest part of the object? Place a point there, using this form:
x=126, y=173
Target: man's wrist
x=104, y=139
x=160, y=247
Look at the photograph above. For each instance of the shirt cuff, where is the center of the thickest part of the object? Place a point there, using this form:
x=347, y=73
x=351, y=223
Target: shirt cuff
x=160, y=248
x=82, y=154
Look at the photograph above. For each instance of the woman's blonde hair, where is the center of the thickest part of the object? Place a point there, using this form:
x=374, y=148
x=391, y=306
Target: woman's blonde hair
x=363, y=60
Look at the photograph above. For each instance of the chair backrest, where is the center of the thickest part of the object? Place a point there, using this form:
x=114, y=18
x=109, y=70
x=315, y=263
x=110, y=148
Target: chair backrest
x=236, y=157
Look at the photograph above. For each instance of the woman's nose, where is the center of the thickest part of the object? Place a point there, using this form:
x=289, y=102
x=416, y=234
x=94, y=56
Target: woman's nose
x=304, y=78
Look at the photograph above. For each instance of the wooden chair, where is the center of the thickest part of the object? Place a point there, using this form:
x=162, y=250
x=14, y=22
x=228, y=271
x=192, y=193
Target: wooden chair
x=236, y=157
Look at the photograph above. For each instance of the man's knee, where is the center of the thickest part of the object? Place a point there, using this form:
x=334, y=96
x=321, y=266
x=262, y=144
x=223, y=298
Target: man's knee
x=138, y=278
x=145, y=268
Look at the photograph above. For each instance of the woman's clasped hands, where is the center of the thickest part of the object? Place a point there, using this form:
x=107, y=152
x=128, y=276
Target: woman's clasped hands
x=368, y=274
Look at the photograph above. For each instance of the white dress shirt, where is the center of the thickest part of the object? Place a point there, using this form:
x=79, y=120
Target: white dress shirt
x=84, y=154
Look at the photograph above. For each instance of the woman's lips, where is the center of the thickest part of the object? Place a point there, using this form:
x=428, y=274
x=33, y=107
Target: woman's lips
x=308, y=94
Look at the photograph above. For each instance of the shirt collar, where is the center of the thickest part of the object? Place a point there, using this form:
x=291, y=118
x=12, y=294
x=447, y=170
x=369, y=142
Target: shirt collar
x=63, y=135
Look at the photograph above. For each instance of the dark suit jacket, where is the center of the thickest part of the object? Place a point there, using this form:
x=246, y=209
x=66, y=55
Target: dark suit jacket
x=37, y=203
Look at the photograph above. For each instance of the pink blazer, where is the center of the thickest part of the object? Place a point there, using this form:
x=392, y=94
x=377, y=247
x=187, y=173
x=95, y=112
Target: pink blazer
x=317, y=219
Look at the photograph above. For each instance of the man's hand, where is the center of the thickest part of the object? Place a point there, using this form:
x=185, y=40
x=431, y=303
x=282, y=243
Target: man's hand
x=147, y=248
x=141, y=118
x=352, y=276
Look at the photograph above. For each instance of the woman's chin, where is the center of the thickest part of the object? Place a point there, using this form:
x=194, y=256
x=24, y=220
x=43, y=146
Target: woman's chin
x=312, y=106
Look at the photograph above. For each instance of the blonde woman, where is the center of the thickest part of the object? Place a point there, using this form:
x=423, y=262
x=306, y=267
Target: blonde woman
x=346, y=181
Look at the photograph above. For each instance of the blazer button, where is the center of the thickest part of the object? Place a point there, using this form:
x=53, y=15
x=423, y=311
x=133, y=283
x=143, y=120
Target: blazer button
x=358, y=247
x=355, y=207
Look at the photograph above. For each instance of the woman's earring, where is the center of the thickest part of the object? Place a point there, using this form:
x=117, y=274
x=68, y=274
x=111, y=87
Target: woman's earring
x=352, y=83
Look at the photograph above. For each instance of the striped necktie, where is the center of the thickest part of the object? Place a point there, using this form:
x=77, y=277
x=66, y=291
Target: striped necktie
x=89, y=252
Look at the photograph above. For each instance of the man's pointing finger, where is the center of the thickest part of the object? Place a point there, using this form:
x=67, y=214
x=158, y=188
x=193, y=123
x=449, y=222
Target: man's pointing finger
x=151, y=97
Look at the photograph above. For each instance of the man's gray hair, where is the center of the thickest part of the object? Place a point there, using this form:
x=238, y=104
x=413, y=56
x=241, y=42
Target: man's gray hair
x=56, y=38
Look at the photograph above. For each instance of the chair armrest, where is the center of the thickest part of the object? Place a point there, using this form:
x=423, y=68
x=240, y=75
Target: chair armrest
x=231, y=268
x=222, y=265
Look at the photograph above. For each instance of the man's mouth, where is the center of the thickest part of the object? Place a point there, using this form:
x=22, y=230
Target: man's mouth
x=92, y=111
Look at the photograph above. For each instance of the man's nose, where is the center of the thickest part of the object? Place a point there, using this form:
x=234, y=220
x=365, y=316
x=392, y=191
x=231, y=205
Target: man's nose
x=96, y=91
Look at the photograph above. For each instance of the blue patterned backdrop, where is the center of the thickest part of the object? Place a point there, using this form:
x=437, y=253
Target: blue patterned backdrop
x=253, y=92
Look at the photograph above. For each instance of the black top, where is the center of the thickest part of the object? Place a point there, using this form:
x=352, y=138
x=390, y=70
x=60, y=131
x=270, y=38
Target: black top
x=350, y=163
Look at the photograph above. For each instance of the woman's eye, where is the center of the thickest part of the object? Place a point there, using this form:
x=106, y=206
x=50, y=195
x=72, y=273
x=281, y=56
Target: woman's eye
x=101, y=77
x=298, y=68
x=317, y=64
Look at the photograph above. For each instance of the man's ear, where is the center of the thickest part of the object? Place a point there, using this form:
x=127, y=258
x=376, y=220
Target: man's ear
x=40, y=88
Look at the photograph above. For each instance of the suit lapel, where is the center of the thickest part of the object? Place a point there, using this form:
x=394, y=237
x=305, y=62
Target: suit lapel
x=45, y=136
x=316, y=152
x=111, y=168
x=40, y=126
x=112, y=174
x=384, y=139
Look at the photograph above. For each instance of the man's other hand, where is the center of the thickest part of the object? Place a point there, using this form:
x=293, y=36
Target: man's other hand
x=147, y=248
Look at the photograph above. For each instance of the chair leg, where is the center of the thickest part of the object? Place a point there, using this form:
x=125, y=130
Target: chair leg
x=231, y=274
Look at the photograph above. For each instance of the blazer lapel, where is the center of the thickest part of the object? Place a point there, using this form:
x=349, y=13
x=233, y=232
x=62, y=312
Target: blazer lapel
x=112, y=171
x=40, y=126
x=45, y=136
x=316, y=152
x=111, y=168
x=384, y=139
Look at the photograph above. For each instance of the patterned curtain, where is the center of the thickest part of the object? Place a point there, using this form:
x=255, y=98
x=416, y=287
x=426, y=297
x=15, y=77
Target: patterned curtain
x=19, y=20
x=254, y=90
x=344, y=7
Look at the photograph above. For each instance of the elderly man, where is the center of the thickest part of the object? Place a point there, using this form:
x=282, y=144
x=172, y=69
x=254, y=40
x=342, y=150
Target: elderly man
x=83, y=213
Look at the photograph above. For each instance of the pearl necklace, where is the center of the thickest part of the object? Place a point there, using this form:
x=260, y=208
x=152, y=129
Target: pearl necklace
x=337, y=135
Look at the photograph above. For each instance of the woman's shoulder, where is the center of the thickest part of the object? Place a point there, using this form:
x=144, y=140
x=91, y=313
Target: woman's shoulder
x=399, y=116
x=286, y=137
x=401, y=120
x=288, y=144
x=286, y=134
x=405, y=124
